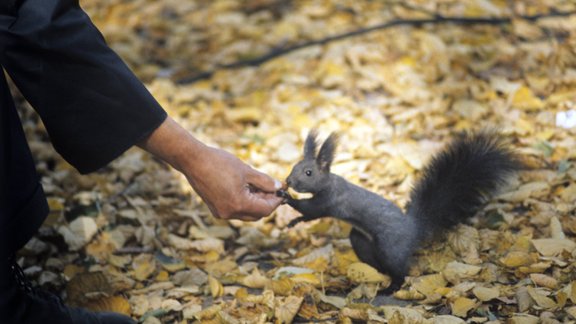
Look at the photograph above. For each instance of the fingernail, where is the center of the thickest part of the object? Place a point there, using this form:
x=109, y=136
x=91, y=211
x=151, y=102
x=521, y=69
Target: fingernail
x=277, y=184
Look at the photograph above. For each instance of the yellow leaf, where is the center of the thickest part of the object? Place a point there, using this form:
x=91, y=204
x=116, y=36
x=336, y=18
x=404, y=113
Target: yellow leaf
x=544, y=280
x=429, y=284
x=561, y=299
x=101, y=247
x=409, y=61
x=552, y=247
x=486, y=294
x=571, y=311
x=171, y=305
x=561, y=96
x=456, y=271
x=282, y=286
x=342, y=260
x=119, y=261
x=162, y=276
x=216, y=288
x=255, y=280
x=363, y=273
x=287, y=310
x=306, y=278
x=144, y=265
x=71, y=270
x=116, y=304
x=525, y=99
x=411, y=294
x=542, y=300
x=87, y=286
x=400, y=315
x=523, y=319
x=462, y=305
x=319, y=265
x=356, y=314
x=573, y=292
x=516, y=259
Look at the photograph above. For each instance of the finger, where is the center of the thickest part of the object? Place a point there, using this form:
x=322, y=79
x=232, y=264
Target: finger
x=246, y=218
x=260, y=206
x=262, y=181
x=273, y=199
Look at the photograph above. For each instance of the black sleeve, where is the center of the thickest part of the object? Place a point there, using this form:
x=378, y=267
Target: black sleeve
x=93, y=107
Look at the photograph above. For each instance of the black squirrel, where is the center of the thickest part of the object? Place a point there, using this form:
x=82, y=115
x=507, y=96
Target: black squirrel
x=453, y=186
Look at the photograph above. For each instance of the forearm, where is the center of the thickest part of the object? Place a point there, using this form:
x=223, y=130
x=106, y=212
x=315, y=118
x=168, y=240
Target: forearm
x=174, y=145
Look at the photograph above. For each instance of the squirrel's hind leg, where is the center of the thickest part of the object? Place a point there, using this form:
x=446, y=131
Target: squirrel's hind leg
x=384, y=260
x=364, y=248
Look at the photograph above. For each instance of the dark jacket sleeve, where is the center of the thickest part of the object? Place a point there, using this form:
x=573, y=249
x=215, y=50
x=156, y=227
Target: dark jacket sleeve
x=93, y=107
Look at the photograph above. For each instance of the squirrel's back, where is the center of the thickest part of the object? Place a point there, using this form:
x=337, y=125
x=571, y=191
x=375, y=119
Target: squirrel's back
x=459, y=180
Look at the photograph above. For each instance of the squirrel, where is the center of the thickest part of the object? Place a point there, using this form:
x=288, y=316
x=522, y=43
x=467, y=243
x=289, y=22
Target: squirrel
x=453, y=186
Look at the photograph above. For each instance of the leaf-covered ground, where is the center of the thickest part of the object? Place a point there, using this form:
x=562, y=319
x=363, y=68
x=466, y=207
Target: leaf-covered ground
x=134, y=238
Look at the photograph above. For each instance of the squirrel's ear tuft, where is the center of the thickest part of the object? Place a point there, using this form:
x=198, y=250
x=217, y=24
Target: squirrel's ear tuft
x=327, y=152
x=310, y=145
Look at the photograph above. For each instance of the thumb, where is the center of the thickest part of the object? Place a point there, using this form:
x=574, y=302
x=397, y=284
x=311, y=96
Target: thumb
x=262, y=181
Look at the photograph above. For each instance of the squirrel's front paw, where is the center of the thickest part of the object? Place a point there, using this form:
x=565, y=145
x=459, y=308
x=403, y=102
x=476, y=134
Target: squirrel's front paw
x=283, y=193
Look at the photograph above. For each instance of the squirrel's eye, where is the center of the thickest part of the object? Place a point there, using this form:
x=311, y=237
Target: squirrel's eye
x=308, y=172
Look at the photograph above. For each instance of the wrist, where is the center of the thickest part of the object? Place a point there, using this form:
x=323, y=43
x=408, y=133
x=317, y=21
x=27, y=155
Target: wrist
x=175, y=146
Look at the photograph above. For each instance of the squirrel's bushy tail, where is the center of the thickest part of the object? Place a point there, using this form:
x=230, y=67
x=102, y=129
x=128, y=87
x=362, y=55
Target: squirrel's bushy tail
x=459, y=180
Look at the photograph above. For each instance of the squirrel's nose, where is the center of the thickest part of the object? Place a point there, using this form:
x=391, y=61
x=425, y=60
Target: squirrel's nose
x=288, y=182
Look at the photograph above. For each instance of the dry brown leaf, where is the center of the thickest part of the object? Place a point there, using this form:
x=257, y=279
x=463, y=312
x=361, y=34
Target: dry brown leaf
x=144, y=265
x=255, y=280
x=447, y=319
x=363, y=273
x=411, y=294
x=456, y=271
x=462, y=305
x=116, y=304
x=553, y=247
x=528, y=190
x=429, y=284
x=556, y=231
x=544, y=280
x=524, y=319
x=355, y=314
x=216, y=288
x=325, y=252
x=288, y=308
x=541, y=299
x=171, y=305
x=465, y=241
x=396, y=314
x=282, y=286
x=571, y=311
x=516, y=259
x=485, y=293
x=309, y=278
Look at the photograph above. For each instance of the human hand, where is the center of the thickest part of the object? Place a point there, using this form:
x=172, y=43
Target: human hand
x=231, y=188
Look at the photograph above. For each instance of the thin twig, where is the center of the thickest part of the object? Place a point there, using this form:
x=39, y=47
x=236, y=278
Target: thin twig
x=279, y=51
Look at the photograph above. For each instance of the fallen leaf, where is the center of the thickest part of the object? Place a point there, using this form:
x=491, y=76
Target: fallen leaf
x=462, y=305
x=362, y=273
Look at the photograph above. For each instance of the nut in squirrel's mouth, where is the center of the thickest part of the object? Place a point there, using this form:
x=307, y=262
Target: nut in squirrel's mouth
x=288, y=191
x=299, y=195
